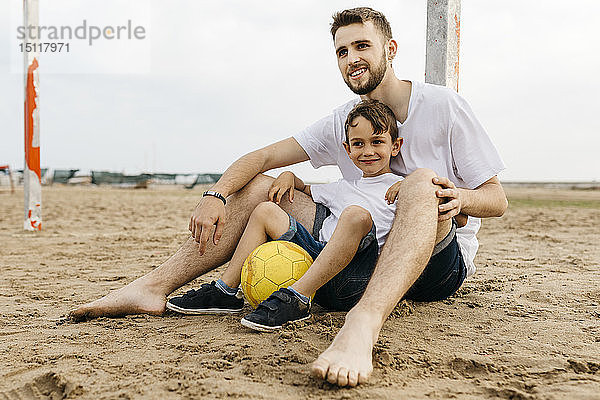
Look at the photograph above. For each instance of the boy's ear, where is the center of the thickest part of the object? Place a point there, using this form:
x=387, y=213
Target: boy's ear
x=396, y=146
x=347, y=147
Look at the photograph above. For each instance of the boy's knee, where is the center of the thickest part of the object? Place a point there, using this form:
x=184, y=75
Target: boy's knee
x=264, y=209
x=357, y=216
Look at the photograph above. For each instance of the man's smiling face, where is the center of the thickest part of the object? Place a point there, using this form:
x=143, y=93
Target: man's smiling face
x=360, y=51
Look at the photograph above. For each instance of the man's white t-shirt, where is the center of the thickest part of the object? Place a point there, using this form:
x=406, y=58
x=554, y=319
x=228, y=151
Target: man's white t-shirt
x=368, y=193
x=440, y=133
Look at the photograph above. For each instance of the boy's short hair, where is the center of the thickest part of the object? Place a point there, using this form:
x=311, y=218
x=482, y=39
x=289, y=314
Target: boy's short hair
x=362, y=15
x=380, y=116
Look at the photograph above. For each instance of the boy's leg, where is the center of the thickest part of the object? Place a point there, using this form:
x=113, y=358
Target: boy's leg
x=355, y=222
x=148, y=294
x=291, y=303
x=267, y=220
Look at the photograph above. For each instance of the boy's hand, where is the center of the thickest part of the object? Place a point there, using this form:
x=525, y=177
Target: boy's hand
x=392, y=192
x=283, y=183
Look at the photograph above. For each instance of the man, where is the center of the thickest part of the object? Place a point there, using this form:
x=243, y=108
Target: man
x=423, y=259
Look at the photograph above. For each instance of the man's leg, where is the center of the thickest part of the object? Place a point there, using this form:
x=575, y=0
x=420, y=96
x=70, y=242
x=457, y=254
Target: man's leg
x=408, y=248
x=354, y=224
x=147, y=294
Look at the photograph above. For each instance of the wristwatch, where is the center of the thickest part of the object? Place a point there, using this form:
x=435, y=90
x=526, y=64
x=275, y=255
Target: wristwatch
x=215, y=194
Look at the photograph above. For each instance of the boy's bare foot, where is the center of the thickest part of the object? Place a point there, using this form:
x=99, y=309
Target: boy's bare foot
x=135, y=298
x=348, y=360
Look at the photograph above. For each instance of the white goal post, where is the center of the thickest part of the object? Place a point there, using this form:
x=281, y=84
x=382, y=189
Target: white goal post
x=443, y=42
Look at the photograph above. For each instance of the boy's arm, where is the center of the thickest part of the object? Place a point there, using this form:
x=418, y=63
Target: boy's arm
x=287, y=181
x=301, y=186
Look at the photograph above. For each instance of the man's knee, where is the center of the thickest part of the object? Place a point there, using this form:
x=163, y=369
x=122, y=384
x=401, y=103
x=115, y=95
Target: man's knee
x=419, y=182
x=258, y=187
x=423, y=175
x=260, y=180
x=357, y=216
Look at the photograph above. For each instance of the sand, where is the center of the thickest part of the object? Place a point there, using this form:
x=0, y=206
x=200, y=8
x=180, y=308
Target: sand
x=525, y=326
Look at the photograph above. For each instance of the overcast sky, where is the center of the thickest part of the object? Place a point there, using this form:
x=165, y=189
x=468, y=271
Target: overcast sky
x=213, y=80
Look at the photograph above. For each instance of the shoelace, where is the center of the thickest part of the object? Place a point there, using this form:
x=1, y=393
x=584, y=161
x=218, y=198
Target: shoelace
x=204, y=288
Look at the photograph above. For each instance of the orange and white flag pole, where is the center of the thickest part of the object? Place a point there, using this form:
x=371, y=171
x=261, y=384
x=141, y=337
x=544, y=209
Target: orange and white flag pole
x=31, y=171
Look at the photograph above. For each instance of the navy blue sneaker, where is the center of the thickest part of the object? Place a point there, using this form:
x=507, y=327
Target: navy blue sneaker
x=209, y=299
x=281, y=307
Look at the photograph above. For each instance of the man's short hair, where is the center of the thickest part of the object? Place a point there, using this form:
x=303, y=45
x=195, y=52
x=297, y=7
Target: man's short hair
x=380, y=116
x=362, y=15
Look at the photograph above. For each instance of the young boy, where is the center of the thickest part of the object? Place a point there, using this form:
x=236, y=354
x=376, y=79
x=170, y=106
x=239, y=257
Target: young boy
x=344, y=245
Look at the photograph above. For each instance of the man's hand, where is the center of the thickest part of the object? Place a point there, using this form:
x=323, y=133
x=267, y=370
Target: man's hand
x=283, y=183
x=452, y=205
x=392, y=192
x=209, y=212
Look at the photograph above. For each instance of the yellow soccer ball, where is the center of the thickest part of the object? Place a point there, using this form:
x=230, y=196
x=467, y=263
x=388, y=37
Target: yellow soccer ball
x=272, y=266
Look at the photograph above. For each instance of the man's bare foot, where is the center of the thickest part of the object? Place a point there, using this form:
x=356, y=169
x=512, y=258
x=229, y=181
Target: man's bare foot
x=348, y=360
x=135, y=298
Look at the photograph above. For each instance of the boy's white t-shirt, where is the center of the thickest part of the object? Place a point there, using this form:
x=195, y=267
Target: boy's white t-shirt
x=369, y=193
x=441, y=133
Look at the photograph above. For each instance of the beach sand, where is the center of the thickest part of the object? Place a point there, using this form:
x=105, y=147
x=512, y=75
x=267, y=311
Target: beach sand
x=525, y=326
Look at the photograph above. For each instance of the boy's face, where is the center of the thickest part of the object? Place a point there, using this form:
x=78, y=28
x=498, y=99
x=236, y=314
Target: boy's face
x=361, y=57
x=371, y=153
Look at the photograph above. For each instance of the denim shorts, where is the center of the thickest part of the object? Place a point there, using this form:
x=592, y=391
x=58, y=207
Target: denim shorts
x=441, y=278
x=443, y=275
x=344, y=290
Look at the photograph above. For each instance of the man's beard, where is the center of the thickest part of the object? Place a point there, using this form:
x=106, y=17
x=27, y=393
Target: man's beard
x=375, y=77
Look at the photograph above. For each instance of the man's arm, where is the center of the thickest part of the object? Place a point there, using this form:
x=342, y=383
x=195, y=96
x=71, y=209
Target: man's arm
x=486, y=200
x=210, y=210
x=280, y=154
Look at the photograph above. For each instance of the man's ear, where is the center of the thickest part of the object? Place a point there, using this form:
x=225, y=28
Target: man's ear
x=347, y=147
x=396, y=146
x=392, y=49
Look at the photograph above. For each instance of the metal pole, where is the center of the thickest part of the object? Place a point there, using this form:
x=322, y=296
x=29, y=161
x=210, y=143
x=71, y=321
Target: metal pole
x=31, y=171
x=443, y=42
